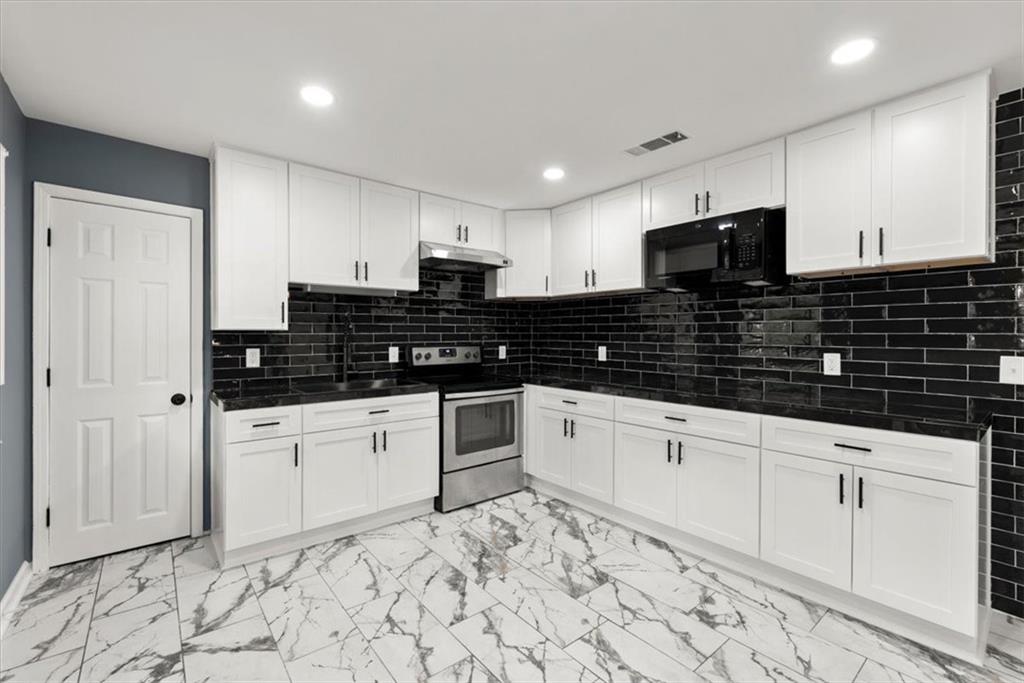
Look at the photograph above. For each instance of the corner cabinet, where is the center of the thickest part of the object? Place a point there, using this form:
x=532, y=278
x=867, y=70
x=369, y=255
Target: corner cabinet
x=389, y=236
x=249, y=242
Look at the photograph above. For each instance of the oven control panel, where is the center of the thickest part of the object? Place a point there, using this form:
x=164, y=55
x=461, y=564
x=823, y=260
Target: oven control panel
x=420, y=356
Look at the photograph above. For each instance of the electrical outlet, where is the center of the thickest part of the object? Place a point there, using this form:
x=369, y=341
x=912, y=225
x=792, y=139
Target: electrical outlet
x=832, y=363
x=602, y=353
x=502, y=352
x=252, y=358
x=392, y=354
x=1011, y=369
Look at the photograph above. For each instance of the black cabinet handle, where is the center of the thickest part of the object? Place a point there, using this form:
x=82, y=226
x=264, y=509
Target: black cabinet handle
x=565, y=426
x=842, y=489
x=458, y=233
x=675, y=419
x=586, y=279
x=296, y=453
x=572, y=429
x=571, y=403
x=696, y=203
x=593, y=277
x=679, y=453
x=545, y=283
x=860, y=492
x=852, y=448
x=385, y=441
x=860, y=248
x=466, y=234
x=881, y=241
x=375, y=442
x=707, y=202
x=282, y=311
x=366, y=271
x=379, y=412
x=357, y=270
x=669, y=450
x=266, y=424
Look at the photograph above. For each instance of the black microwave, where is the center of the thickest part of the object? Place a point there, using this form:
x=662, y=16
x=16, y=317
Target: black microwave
x=746, y=247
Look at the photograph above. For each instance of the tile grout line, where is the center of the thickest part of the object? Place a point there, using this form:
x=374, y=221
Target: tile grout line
x=266, y=622
x=92, y=614
x=177, y=608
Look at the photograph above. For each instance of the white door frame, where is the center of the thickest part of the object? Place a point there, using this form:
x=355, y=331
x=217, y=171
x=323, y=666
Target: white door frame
x=43, y=193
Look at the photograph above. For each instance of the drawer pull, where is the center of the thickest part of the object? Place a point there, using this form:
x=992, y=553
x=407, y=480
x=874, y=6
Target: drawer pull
x=675, y=419
x=852, y=448
x=266, y=424
x=380, y=412
x=571, y=403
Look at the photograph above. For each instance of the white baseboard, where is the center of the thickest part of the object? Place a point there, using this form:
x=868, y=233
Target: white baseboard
x=12, y=597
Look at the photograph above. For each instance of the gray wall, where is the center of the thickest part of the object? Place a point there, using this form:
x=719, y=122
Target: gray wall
x=16, y=393
x=78, y=158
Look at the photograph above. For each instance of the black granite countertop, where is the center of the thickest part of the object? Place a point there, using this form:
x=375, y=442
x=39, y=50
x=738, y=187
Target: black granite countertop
x=315, y=393
x=971, y=431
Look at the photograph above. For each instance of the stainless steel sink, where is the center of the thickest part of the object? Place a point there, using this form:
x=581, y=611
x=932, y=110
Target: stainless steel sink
x=355, y=385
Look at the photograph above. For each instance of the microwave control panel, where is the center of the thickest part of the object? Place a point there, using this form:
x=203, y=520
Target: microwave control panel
x=748, y=251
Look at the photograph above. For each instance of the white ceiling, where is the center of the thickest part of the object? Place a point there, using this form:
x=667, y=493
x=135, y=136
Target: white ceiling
x=475, y=99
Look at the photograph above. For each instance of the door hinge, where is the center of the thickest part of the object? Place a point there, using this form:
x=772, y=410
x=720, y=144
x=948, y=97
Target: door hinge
x=47, y=376
x=49, y=236
x=47, y=517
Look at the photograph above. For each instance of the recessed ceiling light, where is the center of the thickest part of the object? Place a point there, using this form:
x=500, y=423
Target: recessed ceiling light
x=853, y=51
x=554, y=173
x=317, y=96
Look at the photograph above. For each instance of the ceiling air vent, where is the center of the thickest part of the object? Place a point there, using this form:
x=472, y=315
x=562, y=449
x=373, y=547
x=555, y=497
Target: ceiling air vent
x=657, y=143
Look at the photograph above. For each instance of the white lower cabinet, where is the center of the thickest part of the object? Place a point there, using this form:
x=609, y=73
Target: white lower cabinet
x=554, y=459
x=407, y=453
x=644, y=472
x=592, y=444
x=339, y=476
x=263, y=491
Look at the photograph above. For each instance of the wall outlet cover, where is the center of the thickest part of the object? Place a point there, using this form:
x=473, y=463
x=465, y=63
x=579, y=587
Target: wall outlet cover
x=602, y=353
x=252, y=358
x=392, y=354
x=1011, y=369
x=832, y=364
x=502, y=352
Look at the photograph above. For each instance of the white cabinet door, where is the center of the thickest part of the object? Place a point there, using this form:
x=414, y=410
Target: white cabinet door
x=592, y=455
x=617, y=240
x=481, y=227
x=528, y=244
x=571, y=247
x=409, y=467
x=806, y=510
x=931, y=174
x=915, y=546
x=323, y=227
x=339, y=476
x=828, y=196
x=718, y=486
x=264, y=491
x=746, y=179
x=390, y=236
x=553, y=460
x=645, y=472
x=440, y=219
x=250, y=241
x=673, y=197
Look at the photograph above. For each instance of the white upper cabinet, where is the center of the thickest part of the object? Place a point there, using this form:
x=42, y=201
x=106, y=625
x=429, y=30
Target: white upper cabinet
x=389, y=236
x=450, y=221
x=828, y=183
x=931, y=174
x=482, y=227
x=747, y=179
x=323, y=227
x=250, y=241
x=673, y=197
x=571, y=247
x=617, y=240
x=528, y=245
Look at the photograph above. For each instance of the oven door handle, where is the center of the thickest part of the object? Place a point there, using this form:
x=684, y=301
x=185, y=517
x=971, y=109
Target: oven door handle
x=483, y=394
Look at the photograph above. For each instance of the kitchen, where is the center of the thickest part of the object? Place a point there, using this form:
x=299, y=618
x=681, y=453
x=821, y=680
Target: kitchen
x=736, y=401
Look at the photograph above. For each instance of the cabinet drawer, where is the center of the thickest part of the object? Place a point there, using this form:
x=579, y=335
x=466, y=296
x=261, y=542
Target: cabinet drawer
x=934, y=457
x=318, y=417
x=262, y=423
x=713, y=423
x=577, y=402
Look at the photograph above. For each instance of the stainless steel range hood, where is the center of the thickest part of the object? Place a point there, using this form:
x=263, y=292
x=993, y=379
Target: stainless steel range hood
x=451, y=257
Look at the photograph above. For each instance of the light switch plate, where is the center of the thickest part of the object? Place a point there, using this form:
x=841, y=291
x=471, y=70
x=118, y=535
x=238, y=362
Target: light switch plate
x=1011, y=369
x=252, y=358
x=832, y=364
x=602, y=353
x=502, y=352
x=392, y=354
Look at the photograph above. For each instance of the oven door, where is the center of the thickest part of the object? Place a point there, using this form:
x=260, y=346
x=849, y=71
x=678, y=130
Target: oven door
x=687, y=253
x=482, y=427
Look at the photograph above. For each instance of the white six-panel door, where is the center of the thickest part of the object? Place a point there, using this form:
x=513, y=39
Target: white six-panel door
x=323, y=228
x=119, y=349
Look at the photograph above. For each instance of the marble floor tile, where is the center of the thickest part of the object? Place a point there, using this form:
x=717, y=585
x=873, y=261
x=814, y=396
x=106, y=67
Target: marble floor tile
x=542, y=605
x=736, y=662
x=777, y=602
x=142, y=644
x=512, y=650
x=521, y=508
x=303, y=616
x=54, y=622
x=353, y=574
x=212, y=600
x=1005, y=656
x=412, y=643
x=1007, y=626
x=671, y=630
x=572, y=575
x=616, y=655
x=193, y=555
x=393, y=545
x=430, y=525
x=243, y=651
x=57, y=580
x=280, y=570
x=896, y=652
x=498, y=533
x=134, y=579
x=469, y=670
x=651, y=549
x=666, y=585
x=873, y=672
x=471, y=555
x=348, y=659
x=60, y=668
x=444, y=590
x=804, y=653
x=580, y=536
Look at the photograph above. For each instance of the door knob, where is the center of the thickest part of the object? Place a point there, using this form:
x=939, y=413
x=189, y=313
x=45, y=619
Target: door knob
x=178, y=399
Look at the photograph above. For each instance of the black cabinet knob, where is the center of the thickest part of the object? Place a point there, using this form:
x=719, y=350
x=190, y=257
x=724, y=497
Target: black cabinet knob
x=178, y=399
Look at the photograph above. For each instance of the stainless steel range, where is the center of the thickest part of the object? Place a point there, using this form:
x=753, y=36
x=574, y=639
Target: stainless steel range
x=481, y=425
